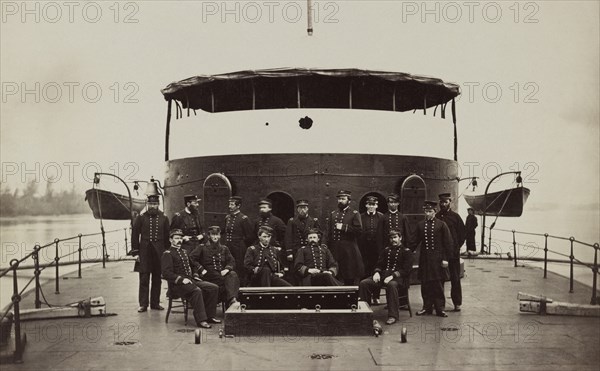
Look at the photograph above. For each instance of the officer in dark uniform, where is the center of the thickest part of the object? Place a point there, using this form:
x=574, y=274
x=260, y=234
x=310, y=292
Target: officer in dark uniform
x=344, y=227
x=433, y=237
x=314, y=263
x=371, y=241
x=297, y=229
x=458, y=232
x=262, y=261
x=266, y=218
x=188, y=221
x=149, y=238
x=394, y=219
x=216, y=265
x=392, y=271
x=470, y=225
x=238, y=236
x=178, y=270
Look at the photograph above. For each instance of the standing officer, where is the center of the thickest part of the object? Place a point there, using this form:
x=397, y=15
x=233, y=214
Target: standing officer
x=434, y=239
x=457, y=231
x=187, y=220
x=470, y=225
x=394, y=219
x=177, y=269
x=344, y=227
x=393, y=271
x=262, y=261
x=238, y=236
x=297, y=229
x=371, y=240
x=266, y=218
x=149, y=239
x=314, y=263
x=215, y=265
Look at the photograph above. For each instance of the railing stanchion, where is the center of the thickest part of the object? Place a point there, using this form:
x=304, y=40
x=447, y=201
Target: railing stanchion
x=595, y=269
x=36, y=272
x=79, y=252
x=125, y=230
x=56, y=259
x=571, y=257
x=514, y=246
x=545, y=255
x=16, y=298
x=103, y=247
x=490, y=243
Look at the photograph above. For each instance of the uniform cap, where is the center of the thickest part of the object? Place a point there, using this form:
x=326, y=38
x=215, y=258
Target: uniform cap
x=237, y=199
x=393, y=197
x=175, y=232
x=372, y=200
x=189, y=198
x=429, y=205
x=214, y=229
x=342, y=193
x=265, y=201
x=445, y=196
x=301, y=203
x=265, y=229
x=153, y=198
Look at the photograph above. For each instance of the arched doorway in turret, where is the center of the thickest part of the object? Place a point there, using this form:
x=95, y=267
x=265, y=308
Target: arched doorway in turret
x=216, y=194
x=413, y=193
x=283, y=205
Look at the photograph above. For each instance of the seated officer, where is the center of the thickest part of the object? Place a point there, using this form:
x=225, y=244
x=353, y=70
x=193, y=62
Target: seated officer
x=315, y=264
x=262, y=261
x=177, y=270
x=216, y=265
x=392, y=270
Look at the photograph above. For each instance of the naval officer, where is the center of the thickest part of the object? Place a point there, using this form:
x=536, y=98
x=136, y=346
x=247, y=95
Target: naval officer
x=216, y=265
x=458, y=232
x=392, y=271
x=344, y=227
x=178, y=270
x=433, y=238
x=188, y=221
x=314, y=263
x=149, y=238
x=238, y=236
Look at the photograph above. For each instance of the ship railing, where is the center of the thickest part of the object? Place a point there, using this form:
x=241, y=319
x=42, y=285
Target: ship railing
x=15, y=266
x=525, y=251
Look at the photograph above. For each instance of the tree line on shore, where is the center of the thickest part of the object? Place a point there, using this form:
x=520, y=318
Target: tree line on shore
x=29, y=201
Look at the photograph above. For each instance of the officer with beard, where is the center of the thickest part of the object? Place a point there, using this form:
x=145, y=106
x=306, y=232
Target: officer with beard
x=458, y=232
x=238, y=236
x=188, y=221
x=266, y=218
x=297, y=229
x=314, y=263
x=344, y=227
x=149, y=239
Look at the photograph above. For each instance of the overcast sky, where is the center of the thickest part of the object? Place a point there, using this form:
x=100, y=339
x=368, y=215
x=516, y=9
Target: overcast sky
x=529, y=74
